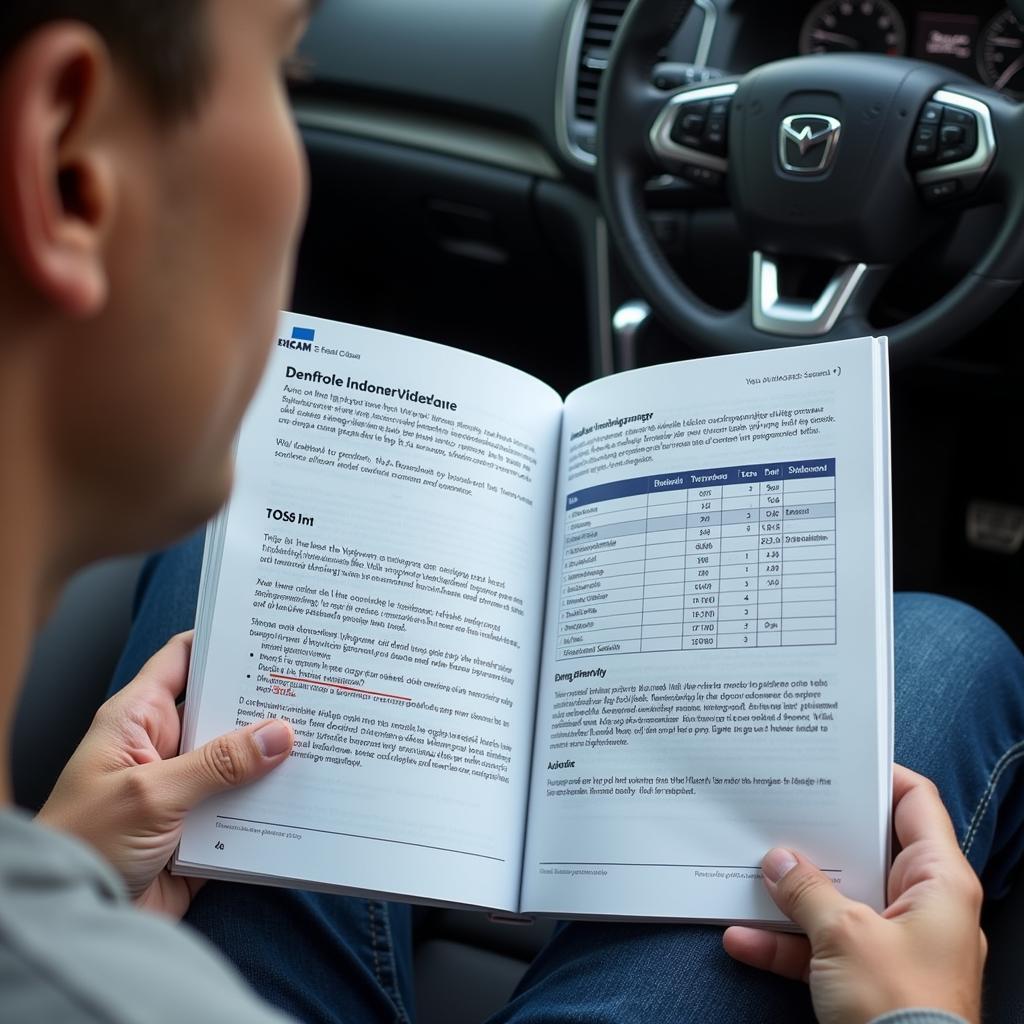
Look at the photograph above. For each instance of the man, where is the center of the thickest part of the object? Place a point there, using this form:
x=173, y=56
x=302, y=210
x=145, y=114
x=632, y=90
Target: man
x=151, y=193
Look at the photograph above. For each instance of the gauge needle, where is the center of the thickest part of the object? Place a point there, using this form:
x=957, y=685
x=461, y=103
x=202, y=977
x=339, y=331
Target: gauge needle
x=821, y=36
x=1007, y=75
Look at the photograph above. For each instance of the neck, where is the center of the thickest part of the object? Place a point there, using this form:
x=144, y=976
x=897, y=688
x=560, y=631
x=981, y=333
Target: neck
x=29, y=579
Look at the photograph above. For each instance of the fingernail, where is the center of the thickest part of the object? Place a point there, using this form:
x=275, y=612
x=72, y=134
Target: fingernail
x=273, y=739
x=777, y=864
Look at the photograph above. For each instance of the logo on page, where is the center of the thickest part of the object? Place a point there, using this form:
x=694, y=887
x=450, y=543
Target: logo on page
x=301, y=340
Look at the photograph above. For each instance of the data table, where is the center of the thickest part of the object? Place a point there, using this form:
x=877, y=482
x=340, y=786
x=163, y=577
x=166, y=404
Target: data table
x=743, y=556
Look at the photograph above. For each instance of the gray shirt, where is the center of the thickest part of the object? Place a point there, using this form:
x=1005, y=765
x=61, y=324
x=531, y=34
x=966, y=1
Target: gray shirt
x=73, y=948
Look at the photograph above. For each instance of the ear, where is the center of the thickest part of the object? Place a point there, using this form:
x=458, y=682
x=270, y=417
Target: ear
x=57, y=191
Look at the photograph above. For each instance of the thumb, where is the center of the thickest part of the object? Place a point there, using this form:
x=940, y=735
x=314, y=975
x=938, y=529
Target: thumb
x=226, y=762
x=802, y=892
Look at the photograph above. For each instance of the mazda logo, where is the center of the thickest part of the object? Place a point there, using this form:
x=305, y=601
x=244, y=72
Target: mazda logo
x=807, y=143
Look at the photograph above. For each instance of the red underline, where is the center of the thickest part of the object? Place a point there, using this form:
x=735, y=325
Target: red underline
x=337, y=686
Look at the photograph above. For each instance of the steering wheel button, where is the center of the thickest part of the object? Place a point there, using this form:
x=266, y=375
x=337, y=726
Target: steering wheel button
x=719, y=108
x=703, y=176
x=951, y=115
x=690, y=141
x=715, y=136
x=939, y=191
x=926, y=140
x=714, y=142
x=954, y=154
x=690, y=124
x=953, y=135
x=932, y=113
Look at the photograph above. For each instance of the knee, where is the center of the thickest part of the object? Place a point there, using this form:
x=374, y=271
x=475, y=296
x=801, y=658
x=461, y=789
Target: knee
x=951, y=640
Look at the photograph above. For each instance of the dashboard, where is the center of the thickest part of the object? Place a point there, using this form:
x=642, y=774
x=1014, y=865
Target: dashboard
x=983, y=40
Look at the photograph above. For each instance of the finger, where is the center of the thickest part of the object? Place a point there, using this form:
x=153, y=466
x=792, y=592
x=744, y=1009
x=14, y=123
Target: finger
x=802, y=892
x=165, y=672
x=918, y=811
x=222, y=764
x=929, y=851
x=789, y=956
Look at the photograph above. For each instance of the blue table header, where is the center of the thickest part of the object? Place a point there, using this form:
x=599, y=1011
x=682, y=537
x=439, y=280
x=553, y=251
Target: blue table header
x=696, y=478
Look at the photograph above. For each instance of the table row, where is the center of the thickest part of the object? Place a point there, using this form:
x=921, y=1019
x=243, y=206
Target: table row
x=775, y=637
x=747, y=558
x=812, y=549
x=685, y=596
x=634, y=622
x=674, y=519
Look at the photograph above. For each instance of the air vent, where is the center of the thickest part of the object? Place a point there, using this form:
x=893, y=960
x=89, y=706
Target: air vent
x=602, y=21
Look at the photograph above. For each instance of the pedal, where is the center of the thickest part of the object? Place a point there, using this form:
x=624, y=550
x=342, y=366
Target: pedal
x=996, y=528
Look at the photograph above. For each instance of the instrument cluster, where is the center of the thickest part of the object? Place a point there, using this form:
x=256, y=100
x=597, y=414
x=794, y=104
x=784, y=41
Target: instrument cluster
x=984, y=41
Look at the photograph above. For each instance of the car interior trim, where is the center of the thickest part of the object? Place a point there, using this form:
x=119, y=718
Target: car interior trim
x=565, y=98
x=774, y=314
x=627, y=323
x=707, y=32
x=606, y=355
x=447, y=136
x=565, y=95
x=667, y=149
x=970, y=171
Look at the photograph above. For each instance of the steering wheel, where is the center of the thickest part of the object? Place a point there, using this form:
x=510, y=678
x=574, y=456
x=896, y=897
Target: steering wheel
x=847, y=160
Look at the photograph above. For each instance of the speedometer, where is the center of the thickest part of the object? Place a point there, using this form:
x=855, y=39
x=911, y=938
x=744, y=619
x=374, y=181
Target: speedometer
x=1001, y=55
x=844, y=26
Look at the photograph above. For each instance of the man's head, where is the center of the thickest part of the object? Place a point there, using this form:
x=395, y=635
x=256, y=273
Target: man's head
x=152, y=187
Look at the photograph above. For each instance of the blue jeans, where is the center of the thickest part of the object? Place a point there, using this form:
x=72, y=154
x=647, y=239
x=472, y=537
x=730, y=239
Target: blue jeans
x=959, y=720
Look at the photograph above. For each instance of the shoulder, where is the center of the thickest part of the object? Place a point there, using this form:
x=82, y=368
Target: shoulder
x=72, y=948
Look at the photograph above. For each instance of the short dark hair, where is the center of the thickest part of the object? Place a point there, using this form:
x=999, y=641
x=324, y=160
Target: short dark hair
x=162, y=43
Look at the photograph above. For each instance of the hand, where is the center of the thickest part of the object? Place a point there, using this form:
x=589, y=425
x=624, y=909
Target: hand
x=925, y=950
x=126, y=791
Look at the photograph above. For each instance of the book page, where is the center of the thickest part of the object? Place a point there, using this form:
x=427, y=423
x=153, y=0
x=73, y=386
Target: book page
x=378, y=580
x=716, y=672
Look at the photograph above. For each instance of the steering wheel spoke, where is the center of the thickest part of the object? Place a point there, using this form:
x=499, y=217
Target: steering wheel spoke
x=953, y=147
x=689, y=137
x=846, y=295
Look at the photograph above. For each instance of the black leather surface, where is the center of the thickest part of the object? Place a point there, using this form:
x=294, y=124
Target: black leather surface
x=69, y=673
x=461, y=984
x=494, y=60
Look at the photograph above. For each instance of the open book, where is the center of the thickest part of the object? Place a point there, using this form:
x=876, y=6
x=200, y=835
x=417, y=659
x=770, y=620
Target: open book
x=590, y=658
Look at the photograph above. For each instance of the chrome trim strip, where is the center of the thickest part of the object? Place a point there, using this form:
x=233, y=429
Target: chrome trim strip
x=975, y=167
x=565, y=92
x=667, y=149
x=707, y=32
x=774, y=314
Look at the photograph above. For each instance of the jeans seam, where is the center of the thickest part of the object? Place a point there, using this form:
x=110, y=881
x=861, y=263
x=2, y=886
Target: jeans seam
x=984, y=801
x=390, y=989
x=373, y=941
x=395, y=991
